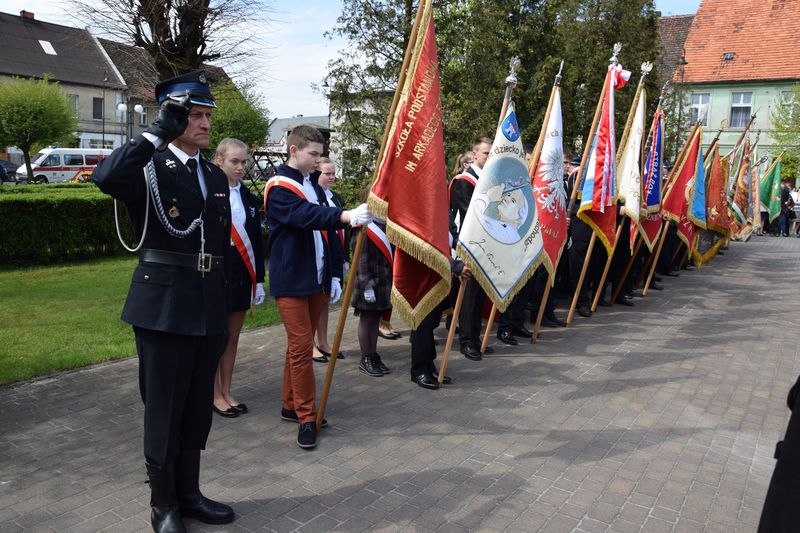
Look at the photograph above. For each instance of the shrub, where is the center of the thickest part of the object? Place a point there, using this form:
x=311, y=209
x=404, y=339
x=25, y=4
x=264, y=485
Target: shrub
x=58, y=223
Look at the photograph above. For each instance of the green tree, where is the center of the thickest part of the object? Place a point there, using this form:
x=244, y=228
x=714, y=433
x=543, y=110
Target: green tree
x=34, y=112
x=240, y=113
x=786, y=129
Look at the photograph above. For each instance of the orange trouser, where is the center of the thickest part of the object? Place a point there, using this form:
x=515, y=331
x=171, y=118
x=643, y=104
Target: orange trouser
x=300, y=315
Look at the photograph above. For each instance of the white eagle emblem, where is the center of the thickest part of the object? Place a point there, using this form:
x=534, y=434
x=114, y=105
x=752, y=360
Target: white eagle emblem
x=551, y=195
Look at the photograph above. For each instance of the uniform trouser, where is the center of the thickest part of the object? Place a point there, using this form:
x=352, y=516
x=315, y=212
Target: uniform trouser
x=176, y=381
x=423, y=346
x=540, y=280
x=781, y=514
x=581, y=235
x=514, y=315
x=671, y=243
x=300, y=314
x=469, y=319
x=622, y=254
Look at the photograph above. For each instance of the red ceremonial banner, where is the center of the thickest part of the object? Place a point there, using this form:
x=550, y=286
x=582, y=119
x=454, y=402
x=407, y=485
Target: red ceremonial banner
x=411, y=189
x=716, y=198
x=676, y=200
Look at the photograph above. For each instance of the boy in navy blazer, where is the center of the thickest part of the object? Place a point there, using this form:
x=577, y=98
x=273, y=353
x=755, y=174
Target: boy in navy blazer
x=305, y=268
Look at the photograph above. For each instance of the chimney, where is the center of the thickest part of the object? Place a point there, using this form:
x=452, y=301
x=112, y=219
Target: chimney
x=27, y=15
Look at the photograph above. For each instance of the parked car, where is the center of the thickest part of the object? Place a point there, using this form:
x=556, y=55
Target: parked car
x=62, y=164
x=7, y=171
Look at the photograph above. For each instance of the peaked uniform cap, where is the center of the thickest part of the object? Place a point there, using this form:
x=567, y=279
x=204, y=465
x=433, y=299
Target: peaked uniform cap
x=192, y=84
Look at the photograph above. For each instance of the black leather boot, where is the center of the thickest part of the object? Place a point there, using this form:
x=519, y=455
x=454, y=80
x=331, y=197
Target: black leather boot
x=164, y=515
x=187, y=488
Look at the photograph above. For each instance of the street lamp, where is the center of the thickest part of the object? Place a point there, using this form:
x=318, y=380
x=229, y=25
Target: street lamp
x=127, y=117
x=103, y=110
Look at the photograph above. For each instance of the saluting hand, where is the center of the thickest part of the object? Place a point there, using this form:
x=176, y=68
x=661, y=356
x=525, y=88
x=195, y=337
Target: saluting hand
x=173, y=117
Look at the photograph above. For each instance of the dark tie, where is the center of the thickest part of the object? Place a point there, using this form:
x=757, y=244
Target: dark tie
x=191, y=164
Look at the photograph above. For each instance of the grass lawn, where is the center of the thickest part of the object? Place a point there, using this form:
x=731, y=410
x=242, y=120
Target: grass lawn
x=61, y=317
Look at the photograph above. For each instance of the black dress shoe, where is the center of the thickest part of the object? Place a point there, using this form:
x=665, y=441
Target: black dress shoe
x=379, y=364
x=323, y=359
x=435, y=374
x=521, y=332
x=507, y=338
x=624, y=300
x=290, y=416
x=656, y=287
x=369, y=366
x=425, y=381
x=471, y=353
x=584, y=310
x=230, y=412
x=550, y=320
x=327, y=355
x=240, y=408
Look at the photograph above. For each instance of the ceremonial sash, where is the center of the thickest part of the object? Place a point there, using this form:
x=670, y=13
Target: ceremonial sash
x=290, y=184
x=465, y=176
x=378, y=238
x=245, y=248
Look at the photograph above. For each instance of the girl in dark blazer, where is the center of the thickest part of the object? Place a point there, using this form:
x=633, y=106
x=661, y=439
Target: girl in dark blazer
x=246, y=283
x=327, y=175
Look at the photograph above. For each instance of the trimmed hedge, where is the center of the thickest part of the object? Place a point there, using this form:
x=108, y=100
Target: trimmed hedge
x=58, y=223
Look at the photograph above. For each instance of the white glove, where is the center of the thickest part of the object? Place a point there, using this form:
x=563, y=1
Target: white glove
x=258, y=299
x=360, y=216
x=336, y=290
x=369, y=295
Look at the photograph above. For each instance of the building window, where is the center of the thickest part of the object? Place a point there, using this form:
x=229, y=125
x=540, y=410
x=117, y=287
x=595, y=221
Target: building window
x=143, y=118
x=97, y=108
x=700, y=103
x=73, y=160
x=740, y=109
x=73, y=102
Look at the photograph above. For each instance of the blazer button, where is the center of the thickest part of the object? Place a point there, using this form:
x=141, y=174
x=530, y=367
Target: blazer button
x=146, y=276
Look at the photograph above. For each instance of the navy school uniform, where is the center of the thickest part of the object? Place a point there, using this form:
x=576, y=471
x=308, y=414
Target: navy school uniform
x=240, y=284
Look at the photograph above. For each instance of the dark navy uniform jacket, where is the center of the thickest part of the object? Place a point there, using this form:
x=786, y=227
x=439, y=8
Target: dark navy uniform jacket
x=163, y=297
x=292, y=256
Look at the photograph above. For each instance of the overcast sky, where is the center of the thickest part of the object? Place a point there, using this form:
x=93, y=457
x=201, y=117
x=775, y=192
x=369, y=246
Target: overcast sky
x=292, y=52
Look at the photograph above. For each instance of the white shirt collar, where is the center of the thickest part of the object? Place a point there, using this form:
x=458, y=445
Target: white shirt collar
x=235, y=187
x=478, y=171
x=182, y=156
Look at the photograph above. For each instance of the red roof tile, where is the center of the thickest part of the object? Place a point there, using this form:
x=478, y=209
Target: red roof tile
x=672, y=31
x=763, y=37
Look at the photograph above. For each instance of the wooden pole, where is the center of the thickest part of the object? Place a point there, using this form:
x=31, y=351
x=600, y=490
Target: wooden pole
x=348, y=293
x=655, y=257
x=452, y=332
x=542, y=306
x=511, y=83
x=600, y=285
x=627, y=269
x=581, y=278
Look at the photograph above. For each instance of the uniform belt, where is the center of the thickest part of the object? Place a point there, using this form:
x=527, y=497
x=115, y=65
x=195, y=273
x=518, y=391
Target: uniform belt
x=199, y=262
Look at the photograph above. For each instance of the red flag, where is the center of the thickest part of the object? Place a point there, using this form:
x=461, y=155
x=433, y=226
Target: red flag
x=598, y=188
x=676, y=200
x=411, y=189
x=716, y=197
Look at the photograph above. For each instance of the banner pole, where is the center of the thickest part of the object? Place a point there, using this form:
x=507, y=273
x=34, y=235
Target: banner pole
x=601, y=285
x=348, y=293
x=581, y=278
x=542, y=305
x=452, y=332
x=655, y=258
x=627, y=269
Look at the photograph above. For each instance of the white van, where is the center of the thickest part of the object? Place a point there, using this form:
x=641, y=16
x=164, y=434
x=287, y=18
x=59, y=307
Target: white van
x=52, y=165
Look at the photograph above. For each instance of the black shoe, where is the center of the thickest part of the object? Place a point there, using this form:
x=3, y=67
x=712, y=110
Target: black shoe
x=507, y=338
x=603, y=303
x=624, y=300
x=521, y=332
x=425, y=381
x=369, y=367
x=584, y=310
x=435, y=373
x=290, y=416
x=191, y=501
x=164, y=514
x=389, y=336
x=657, y=278
x=656, y=287
x=471, y=353
x=672, y=274
x=550, y=320
x=327, y=355
x=240, y=408
x=230, y=412
x=307, y=435
x=323, y=359
x=383, y=369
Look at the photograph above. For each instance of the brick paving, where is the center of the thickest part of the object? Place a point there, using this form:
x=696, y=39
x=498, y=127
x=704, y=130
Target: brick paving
x=662, y=417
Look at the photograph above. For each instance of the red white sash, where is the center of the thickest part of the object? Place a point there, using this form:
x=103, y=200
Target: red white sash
x=464, y=176
x=378, y=238
x=289, y=183
x=245, y=249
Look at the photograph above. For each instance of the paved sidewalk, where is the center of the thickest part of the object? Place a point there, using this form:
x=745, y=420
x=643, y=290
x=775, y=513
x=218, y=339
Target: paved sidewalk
x=661, y=417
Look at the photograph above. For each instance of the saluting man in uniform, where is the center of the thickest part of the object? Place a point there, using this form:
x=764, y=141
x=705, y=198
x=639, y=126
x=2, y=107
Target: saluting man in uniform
x=177, y=303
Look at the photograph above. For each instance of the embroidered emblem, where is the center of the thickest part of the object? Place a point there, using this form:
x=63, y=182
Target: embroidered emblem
x=202, y=77
x=220, y=195
x=171, y=164
x=173, y=212
x=252, y=212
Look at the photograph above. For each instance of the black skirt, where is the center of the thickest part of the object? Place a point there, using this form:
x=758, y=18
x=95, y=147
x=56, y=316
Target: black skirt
x=240, y=285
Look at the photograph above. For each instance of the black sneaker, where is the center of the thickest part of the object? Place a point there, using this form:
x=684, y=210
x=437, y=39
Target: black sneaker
x=379, y=364
x=307, y=435
x=290, y=416
x=369, y=367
